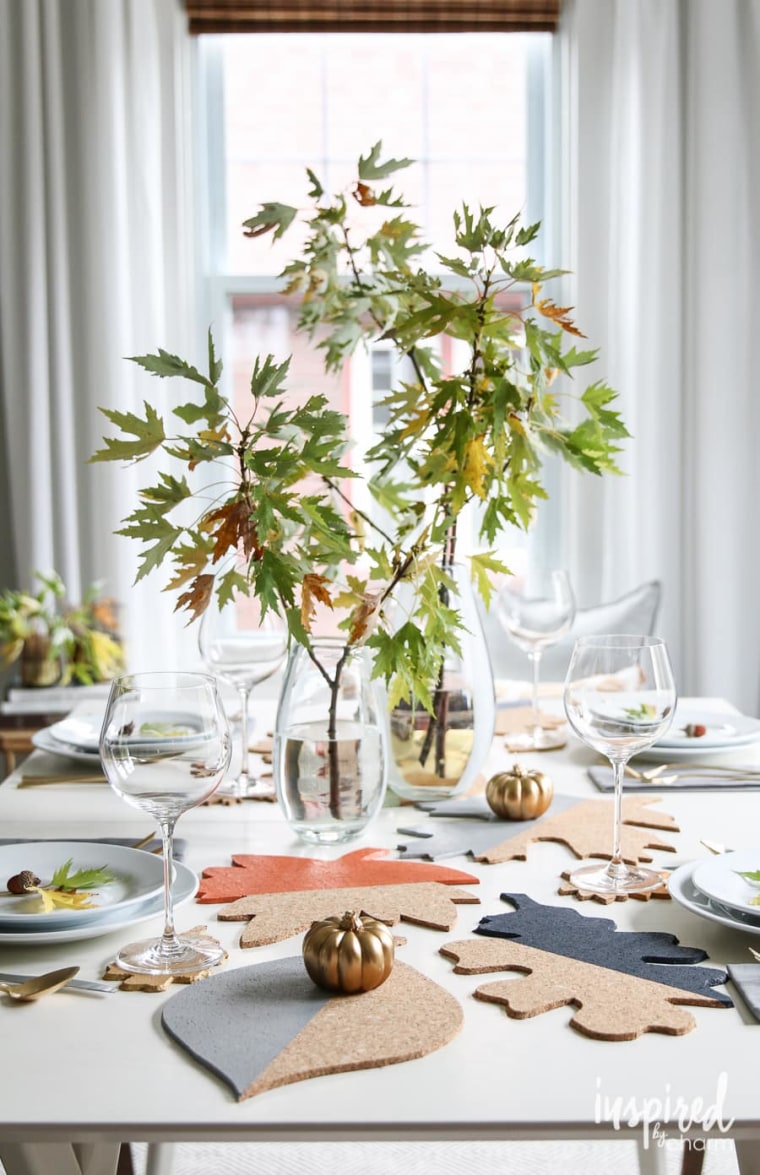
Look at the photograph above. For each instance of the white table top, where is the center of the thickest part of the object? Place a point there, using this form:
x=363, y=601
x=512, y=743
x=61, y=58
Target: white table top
x=102, y=1068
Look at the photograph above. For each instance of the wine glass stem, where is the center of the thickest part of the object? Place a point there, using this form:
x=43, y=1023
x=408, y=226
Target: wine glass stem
x=243, y=778
x=170, y=944
x=618, y=769
x=535, y=658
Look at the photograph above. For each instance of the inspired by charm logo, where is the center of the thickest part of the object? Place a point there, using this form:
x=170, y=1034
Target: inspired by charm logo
x=668, y=1119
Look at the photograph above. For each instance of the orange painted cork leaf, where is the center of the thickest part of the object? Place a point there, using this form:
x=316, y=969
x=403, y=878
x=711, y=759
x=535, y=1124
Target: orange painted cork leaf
x=253, y=874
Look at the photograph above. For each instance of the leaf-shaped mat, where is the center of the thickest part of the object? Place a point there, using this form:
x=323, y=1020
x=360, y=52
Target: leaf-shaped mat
x=278, y=916
x=562, y=930
x=253, y=874
x=623, y=983
x=268, y=1025
x=585, y=826
x=611, y=1005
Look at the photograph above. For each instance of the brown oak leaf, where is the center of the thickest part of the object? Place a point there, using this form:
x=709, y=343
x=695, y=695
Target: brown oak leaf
x=196, y=598
x=313, y=592
x=558, y=314
x=364, y=195
x=231, y=528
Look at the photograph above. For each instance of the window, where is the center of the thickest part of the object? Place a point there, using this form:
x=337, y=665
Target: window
x=467, y=107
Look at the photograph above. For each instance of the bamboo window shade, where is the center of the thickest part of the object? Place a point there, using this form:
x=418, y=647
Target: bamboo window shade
x=372, y=16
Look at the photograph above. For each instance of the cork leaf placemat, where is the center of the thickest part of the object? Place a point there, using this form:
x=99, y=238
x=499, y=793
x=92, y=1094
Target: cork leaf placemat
x=623, y=983
x=273, y=917
x=584, y=826
x=268, y=1025
x=256, y=874
x=610, y=1005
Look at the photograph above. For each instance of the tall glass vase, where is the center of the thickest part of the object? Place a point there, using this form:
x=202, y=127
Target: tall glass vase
x=330, y=748
x=435, y=756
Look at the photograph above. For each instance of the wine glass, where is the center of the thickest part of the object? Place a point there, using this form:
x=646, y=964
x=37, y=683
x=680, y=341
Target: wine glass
x=537, y=612
x=243, y=650
x=620, y=698
x=165, y=746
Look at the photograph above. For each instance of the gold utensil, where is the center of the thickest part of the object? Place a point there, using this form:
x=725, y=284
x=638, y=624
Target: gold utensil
x=655, y=774
x=755, y=954
x=713, y=846
x=32, y=989
x=42, y=780
x=145, y=840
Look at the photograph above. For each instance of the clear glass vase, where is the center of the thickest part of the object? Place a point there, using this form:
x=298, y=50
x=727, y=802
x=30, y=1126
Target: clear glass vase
x=330, y=747
x=435, y=756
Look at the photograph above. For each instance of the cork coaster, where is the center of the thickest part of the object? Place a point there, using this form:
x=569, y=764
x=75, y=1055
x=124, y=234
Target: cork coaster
x=268, y=1025
x=611, y=1005
x=130, y=981
x=273, y=917
x=519, y=719
x=264, y=748
x=255, y=874
x=227, y=801
x=584, y=895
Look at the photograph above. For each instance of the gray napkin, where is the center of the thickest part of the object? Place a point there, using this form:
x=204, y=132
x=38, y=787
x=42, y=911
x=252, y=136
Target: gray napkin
x=746, y=979
x=601, y=777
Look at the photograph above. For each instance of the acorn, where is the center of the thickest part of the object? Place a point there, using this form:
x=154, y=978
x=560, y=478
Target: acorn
x=22, y=882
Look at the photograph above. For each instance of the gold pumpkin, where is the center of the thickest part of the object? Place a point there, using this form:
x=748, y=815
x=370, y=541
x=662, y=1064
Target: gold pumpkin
x=519, y=794
x=348, y=954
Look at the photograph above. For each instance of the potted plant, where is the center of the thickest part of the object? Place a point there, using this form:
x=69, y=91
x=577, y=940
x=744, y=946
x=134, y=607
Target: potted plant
x=454, y=439
x=55, y=642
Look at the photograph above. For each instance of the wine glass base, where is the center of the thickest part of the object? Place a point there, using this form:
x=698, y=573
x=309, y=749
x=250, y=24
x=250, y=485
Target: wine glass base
x=196, y=953
x=532, y=740
x=615, y=879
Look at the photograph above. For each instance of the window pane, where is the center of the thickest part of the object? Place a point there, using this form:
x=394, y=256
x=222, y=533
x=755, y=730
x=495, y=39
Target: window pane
x=455, y=103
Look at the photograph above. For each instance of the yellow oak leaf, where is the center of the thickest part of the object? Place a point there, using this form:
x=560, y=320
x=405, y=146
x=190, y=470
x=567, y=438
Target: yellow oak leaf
x=53, y=899
x=476, y=465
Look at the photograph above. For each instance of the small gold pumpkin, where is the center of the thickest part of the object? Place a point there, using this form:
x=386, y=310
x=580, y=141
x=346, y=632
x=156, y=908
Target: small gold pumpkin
x=519, y=794
x=348, y=953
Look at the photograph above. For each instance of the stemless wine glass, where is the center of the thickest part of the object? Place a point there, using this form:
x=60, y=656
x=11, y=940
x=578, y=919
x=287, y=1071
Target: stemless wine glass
x=244, y=650
x=537, y=612
x=620, y=698
x=165, y=746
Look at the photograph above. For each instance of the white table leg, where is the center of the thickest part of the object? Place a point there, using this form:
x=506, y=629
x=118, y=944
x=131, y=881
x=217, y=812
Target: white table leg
x=44, y=1158
x=160, y=1158
x=748, y=1156
x=652, y=1158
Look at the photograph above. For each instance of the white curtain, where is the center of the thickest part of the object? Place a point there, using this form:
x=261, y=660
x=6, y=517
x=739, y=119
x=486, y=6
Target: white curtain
x=94, y=247
x=662, y=115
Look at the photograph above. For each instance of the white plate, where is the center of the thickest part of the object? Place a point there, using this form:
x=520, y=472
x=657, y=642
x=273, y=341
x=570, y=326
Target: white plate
x=723, y=755
x=45, y=741
x=683, y=891
x=139, y=875
x=724, y=731
x=718, y=878
x=185, y=887
x=81, y=731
